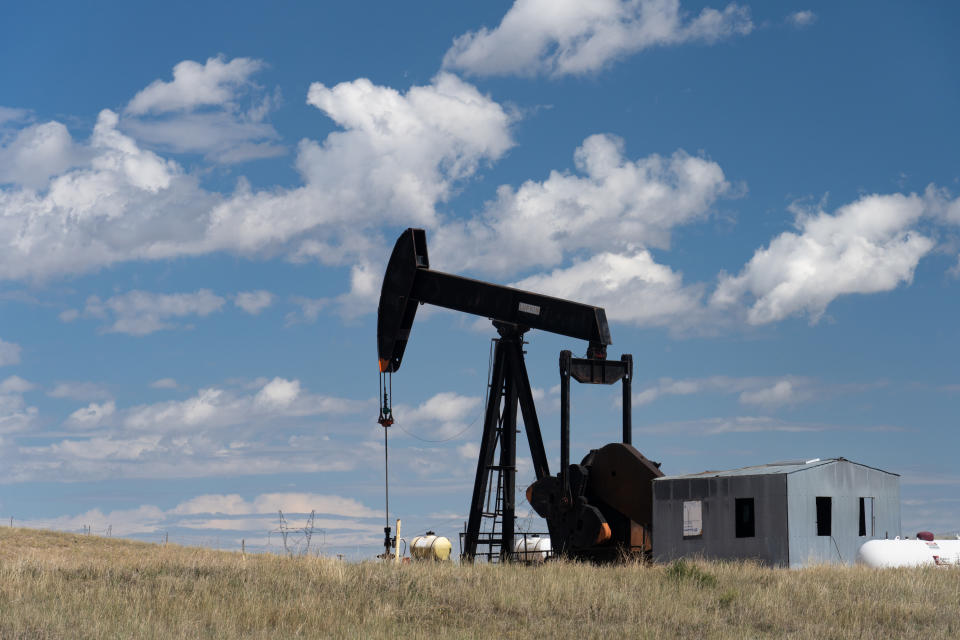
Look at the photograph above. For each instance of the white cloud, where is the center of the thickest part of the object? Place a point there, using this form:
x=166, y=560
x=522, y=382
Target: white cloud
x=258, y=514
x=214, y=109
x=15, y=384
x=15, y=415
x=307, y=502
x=617, y=208
x=293, y=502
x=79, y=391
x=278, y=393
x=210, y=408
x=445, y=406
x=174, y=453
x=9, y=114
x=253, y=302
x=756, y=424
x=139, y=313
x=615, y=205
x=783, y=392
x=93, y=415
x=123, y=522
x=940, y=205
x=441, y=416
x=925, y=477
x=736, y=424
x=121, y=156
x=468, y=450
x=9, y=353
x=395, y=158
x=37, y=153
x=560, y=37
x=343, y=249
x=230, y=524
x=667, y=387
x=801, y=19
x=194, y=85
x=946, y=211
x=867, y=246
x=237, y=429
x=124, y=203
x=232, y=504
x=765, y=391
x=441, y=131
x=164, y=383
x=100, y=448
x=309, y=310
x=214, y=408
x=270, y=524
x=225, y=138
x=632, y=288
x=361, y=297
x=364, y=293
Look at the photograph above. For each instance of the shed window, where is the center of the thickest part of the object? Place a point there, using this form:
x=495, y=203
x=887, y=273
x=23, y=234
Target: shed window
x=743, y=508
x=866, y=517
x=692, y=518
x=824, y=515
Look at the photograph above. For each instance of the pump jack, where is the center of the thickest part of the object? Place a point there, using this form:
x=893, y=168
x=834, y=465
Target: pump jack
x=595, y=510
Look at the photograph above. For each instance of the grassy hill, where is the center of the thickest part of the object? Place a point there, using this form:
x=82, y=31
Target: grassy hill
x=55, y=585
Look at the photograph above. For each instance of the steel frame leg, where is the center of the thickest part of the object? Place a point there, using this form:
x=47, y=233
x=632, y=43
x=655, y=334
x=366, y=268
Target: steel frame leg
x=509, y=386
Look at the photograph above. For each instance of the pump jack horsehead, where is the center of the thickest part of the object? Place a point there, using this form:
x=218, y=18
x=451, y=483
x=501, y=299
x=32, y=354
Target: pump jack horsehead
x=598, y=509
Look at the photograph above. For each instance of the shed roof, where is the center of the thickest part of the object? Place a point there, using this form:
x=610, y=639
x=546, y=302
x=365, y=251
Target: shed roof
x=773, y=468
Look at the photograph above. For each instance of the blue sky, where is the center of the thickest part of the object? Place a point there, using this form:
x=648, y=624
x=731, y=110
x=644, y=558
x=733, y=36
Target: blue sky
x=197, y=204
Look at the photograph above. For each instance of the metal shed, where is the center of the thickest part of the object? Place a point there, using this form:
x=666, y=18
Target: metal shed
x=788, y=514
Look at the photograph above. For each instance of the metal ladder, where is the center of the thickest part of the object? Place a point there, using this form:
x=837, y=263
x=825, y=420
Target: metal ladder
x=491, y=538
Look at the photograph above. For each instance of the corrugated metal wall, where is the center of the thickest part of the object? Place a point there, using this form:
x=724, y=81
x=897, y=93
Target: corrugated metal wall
x=718, y=540
x=785, y=514
x=845, y=483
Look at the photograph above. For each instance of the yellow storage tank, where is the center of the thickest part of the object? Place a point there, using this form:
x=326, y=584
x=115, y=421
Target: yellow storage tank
x=430, y=546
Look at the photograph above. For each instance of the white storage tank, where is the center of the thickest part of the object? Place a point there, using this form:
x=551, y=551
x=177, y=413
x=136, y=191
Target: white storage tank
x=909, y=553
x=430, y=546
x=531, y=548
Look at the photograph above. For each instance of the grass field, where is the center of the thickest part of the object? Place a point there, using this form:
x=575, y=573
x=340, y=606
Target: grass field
x=56, y=585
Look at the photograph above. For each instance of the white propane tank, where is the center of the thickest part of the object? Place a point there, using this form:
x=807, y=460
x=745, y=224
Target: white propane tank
x=909, y=553
x=531, y=548
x=430, y=546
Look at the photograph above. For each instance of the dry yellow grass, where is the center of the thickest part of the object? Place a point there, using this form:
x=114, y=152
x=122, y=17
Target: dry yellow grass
x=55, y=585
